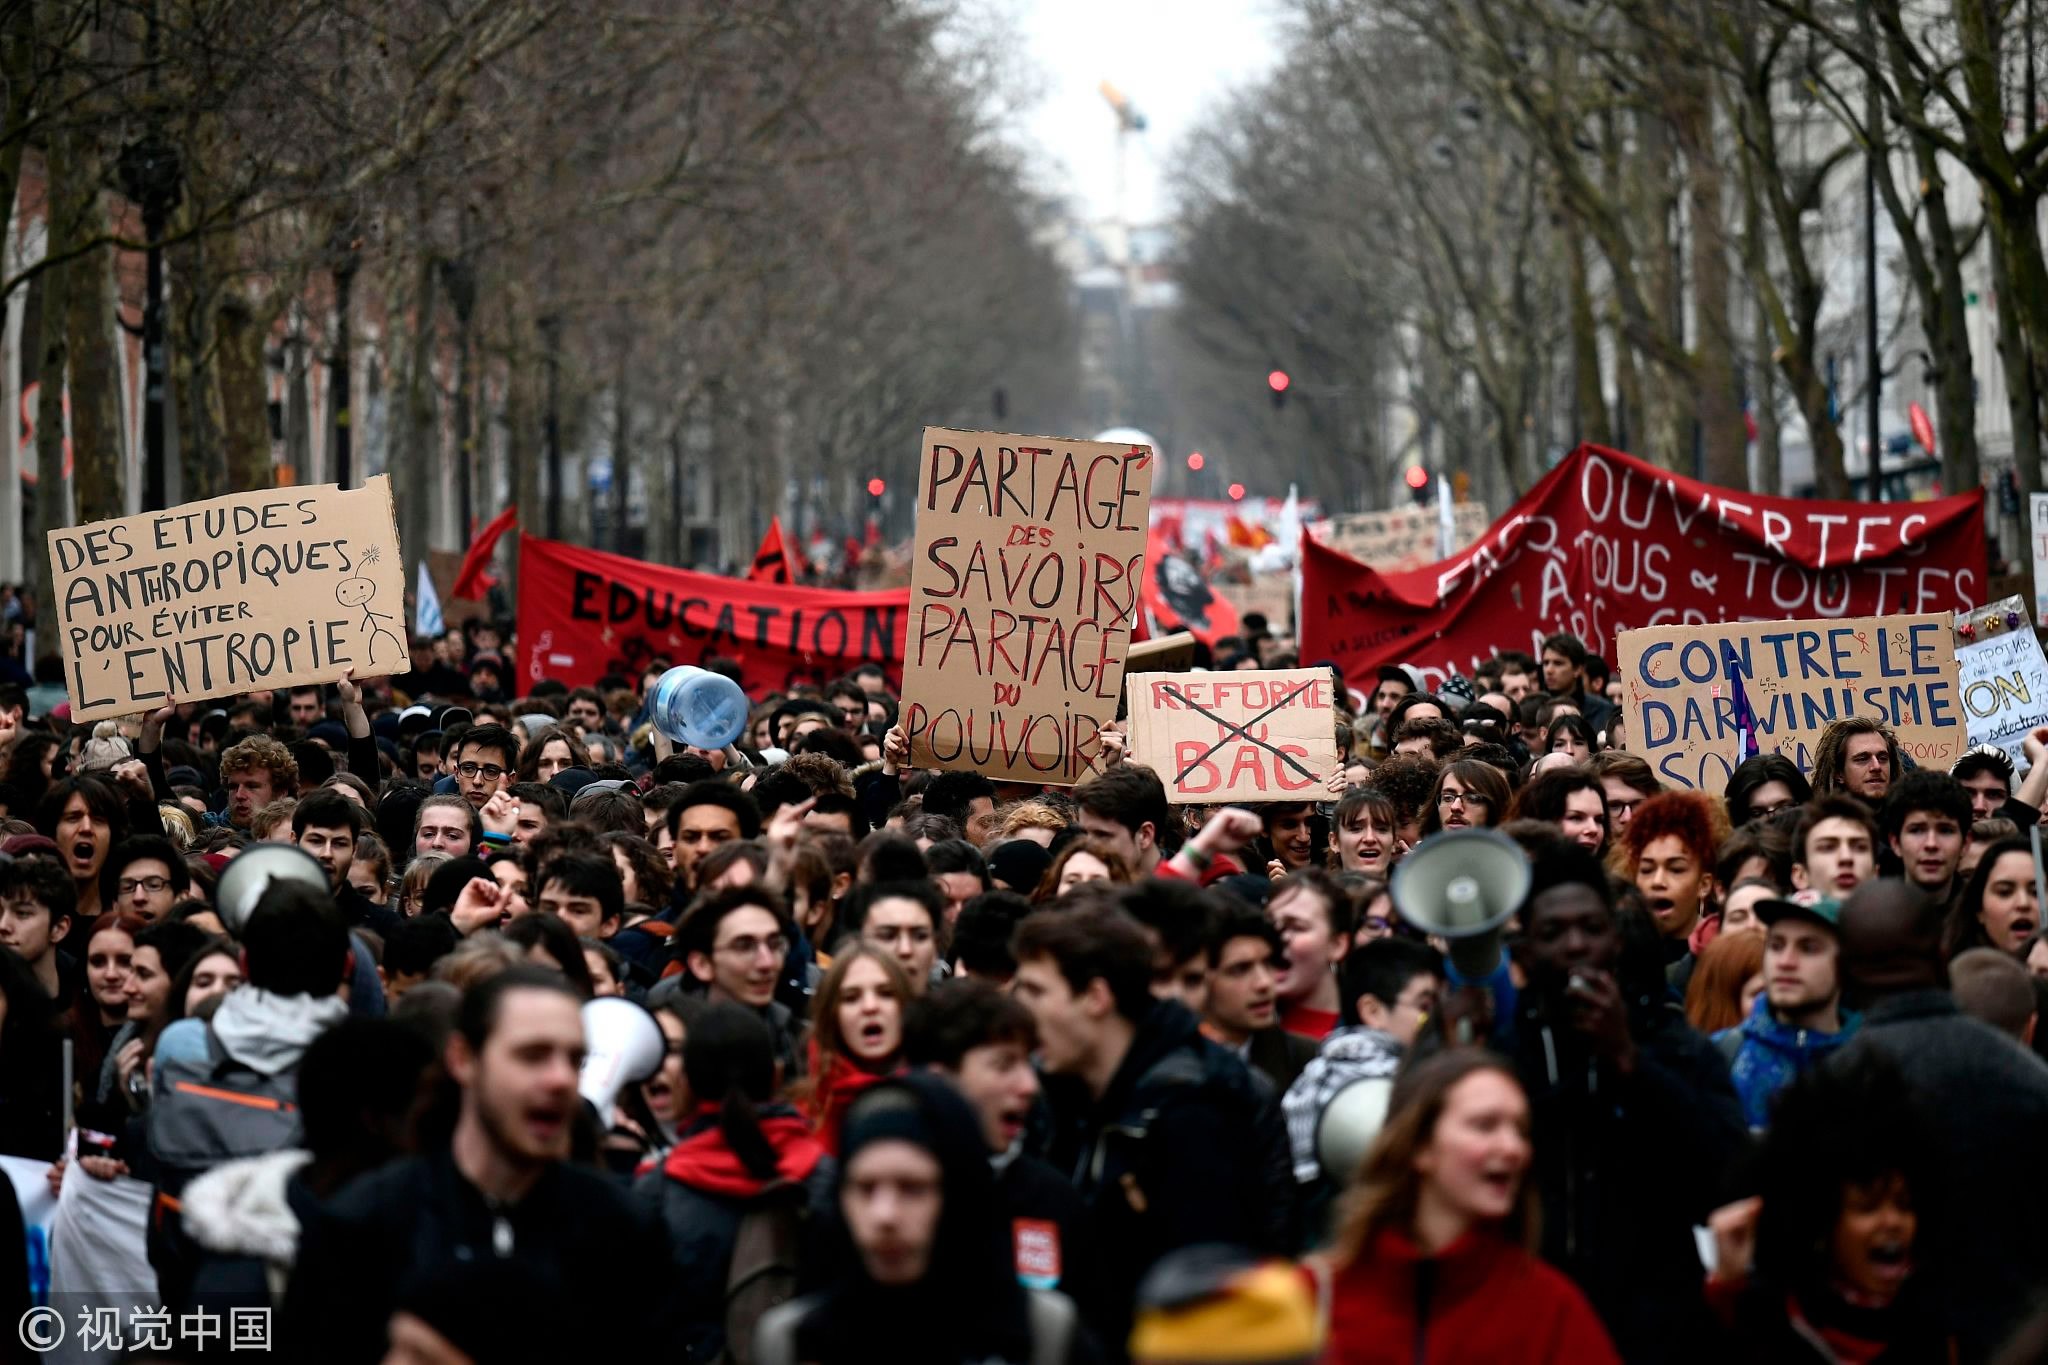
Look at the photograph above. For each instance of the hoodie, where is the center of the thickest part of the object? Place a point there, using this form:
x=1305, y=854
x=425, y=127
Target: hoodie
x=1765, y=1055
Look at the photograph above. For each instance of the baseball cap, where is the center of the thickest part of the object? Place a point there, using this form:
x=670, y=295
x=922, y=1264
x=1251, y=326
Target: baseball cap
x=1814, y=906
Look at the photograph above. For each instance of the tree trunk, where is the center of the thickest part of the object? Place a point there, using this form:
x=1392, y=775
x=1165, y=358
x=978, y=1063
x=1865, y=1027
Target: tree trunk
x=414, y=466
x=202, y=472
x=2015, y=353
x=244, y=392
x=1770, y=475
x=1589, y=398
x=53, y=489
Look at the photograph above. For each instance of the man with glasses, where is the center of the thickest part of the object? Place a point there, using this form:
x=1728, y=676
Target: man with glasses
x=144, y=875
x=484, y=762
x=733, y=944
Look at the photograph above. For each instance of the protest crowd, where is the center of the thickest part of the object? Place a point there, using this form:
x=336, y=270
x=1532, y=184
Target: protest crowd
x=958, y=1067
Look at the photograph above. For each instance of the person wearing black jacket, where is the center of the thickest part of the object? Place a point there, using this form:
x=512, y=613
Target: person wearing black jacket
x=981, y=1039
x=501, y=1188
x=1159, y=1128
x=736, y=1156
x=1632, y=1113
x=1985, y=1101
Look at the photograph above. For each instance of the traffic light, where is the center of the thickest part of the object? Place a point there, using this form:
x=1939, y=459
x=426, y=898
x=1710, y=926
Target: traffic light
x=1237, y=492
x=1277, y=381
x=876, y=488
x=1417, y=479
x=1195, y=462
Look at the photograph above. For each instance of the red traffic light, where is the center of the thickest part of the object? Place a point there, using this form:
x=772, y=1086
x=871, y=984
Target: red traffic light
x=1195, y=460
x=876, y=487
x=1417, y=476
x=1278, y=381
x=1237, y=492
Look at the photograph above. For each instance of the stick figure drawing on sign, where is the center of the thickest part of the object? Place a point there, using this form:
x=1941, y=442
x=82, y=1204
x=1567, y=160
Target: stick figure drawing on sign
x=357, y=592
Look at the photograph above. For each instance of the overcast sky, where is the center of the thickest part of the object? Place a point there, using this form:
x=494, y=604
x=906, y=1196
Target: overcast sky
x=1170, y=57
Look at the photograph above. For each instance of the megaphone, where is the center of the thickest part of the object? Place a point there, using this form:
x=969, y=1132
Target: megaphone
x=699, y=708
x=1348, y=1124
x=1464, y=885
x=254, y=871
x=622, y=1045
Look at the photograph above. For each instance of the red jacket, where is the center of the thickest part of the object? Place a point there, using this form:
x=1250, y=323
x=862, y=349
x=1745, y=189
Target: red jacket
x=1482, y=1301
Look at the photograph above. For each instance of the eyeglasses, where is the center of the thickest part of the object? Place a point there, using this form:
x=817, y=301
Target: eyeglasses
x=1461, y=799
x=490, y=770
x=775, y=944
x=155, y=886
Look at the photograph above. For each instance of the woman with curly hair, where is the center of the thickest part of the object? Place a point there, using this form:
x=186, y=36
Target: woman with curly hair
x=1669, y=854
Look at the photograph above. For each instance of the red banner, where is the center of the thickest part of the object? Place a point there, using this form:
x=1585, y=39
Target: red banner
x=1607, y=543
x=584, y=613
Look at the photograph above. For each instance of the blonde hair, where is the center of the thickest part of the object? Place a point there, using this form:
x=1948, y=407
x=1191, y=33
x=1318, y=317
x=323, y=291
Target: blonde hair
x=1030, y=815
x=178, y=826
x=479, y=958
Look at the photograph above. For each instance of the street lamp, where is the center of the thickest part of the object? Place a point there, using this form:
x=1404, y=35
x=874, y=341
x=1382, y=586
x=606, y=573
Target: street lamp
x=150, y=177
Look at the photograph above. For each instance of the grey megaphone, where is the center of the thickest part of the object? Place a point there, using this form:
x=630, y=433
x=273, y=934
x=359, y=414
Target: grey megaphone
x=1463, y=886
x=621, y=1045
x=1348, y=1124
x=254, y=871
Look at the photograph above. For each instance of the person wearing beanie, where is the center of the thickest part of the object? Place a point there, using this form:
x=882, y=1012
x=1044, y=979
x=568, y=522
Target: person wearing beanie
x=923, y=1273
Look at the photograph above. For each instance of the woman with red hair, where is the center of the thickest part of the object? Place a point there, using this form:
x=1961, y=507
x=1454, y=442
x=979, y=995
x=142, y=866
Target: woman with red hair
x=1669, y=849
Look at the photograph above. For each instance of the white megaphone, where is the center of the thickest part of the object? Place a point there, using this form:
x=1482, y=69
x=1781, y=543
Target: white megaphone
x=254, y=871
x=622, y=1045
x=702, y=709
x=1348, y=1124
x=1463, y=886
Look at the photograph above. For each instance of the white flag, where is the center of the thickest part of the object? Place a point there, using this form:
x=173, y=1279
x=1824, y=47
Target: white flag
x=427, y=615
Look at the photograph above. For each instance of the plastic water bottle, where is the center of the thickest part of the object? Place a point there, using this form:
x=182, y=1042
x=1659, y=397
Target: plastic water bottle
x=702, y=709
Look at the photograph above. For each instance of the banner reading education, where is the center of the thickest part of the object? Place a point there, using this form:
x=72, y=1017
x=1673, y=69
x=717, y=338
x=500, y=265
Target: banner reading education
x=1606, y=543
x=254, y=590
x=1699, y=698
x=584, y=613
x=1028, y=564
x=1269, y=735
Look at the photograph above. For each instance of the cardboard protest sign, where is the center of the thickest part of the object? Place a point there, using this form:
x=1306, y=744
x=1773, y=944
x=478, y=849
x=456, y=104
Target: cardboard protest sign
x=1029, y=558
x=1700, y=699
x=2037, y=506
x=584, y=613
x=1167, y=652
x=1606, y=543
x=253, y=590
x=1245, y=736
x=1401, y=538
x=2004, y=676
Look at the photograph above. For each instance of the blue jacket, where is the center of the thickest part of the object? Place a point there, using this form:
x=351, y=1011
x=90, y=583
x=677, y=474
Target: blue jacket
x=1764, y=1056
